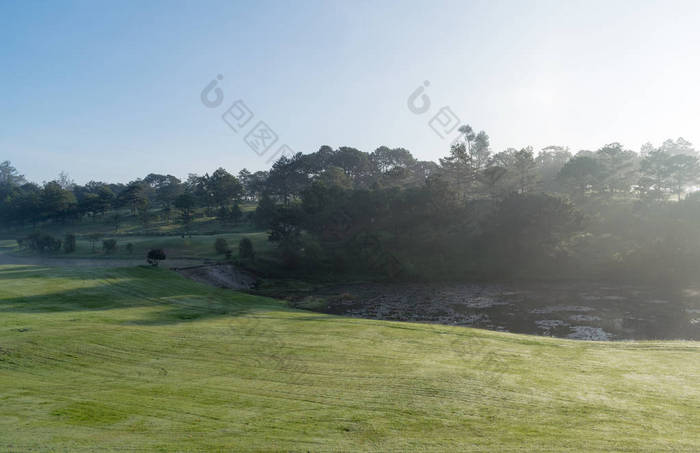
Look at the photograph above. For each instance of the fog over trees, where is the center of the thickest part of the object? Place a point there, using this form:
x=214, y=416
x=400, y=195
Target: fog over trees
x=475, y=213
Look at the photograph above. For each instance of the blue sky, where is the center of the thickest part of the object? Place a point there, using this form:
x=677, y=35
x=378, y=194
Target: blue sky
x=111, y=90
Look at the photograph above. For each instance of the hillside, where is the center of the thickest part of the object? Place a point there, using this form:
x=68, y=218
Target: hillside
x=143, y=359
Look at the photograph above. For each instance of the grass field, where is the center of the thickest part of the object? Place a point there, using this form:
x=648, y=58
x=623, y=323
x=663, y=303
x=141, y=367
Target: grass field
x=194, y=247
x=142, y=359
x=167, y=235
x=130, y=224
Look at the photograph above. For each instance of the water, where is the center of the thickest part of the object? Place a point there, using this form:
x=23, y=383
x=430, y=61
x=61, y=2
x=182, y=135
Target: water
x=577, y=310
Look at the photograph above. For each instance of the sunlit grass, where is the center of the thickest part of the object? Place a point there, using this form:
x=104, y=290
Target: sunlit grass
x=142, y=359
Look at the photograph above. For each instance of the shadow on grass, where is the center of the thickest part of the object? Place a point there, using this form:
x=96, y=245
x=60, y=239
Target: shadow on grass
x=173, y=298
x=15, y=272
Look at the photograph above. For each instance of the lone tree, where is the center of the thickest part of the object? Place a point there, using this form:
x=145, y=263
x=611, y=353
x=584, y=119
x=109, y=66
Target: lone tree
x=245, y=250
x=69, y=243
x=93, y=238
x=155, y=256
x=185, y=203
x=221, y=246
x=109, y=246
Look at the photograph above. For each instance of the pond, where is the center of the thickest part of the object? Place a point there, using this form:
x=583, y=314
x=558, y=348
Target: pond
x=577, y=310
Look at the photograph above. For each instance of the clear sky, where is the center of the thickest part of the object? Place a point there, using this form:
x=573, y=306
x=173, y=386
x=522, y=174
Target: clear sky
x=111, y=90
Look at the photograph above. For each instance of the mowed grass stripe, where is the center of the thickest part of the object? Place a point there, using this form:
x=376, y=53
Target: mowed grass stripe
x=142, y=359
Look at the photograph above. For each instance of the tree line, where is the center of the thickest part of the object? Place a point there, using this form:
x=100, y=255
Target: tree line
x=474, y=213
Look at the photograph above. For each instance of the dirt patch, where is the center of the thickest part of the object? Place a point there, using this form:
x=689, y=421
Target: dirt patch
x=220, y=275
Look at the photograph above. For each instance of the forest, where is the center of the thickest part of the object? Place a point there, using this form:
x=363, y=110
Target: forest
x=612, y=213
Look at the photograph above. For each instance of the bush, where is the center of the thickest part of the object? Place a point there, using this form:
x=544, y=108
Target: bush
x=129, y=248
x=42, y=243
x=221, y=246
x=50, y=244
x=245, y=250
x=109, y=245
x=155, y=256
x=69, y=243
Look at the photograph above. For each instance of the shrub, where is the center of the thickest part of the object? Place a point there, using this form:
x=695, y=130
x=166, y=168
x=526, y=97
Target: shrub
x=155, y=256
x=69, y=243
x=50, y=244
x=245, y=250
x=221, y=246
x=42, y=243
x=109, y=245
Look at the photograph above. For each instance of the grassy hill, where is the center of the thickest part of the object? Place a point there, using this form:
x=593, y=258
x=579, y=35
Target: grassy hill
x=130, y=224
x=159, y=233
x=194, y=247
x=142, y=359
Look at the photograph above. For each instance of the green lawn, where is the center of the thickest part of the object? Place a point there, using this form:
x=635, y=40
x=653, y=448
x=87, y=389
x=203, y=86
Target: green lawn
x=130, y=224
x=142, y=359
x=194, y=247
x=159, y=233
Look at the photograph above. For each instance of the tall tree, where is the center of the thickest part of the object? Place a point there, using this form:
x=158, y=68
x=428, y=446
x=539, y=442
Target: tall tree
x=186, y=203
x=580, y=174
x=680, y=146
x=524, y=169
x=56, y=202
x=683, y=171
x=132, y=196
x=9, y=175
x=549, y=162
x=618, y=168
x=655, y=171
x=224, y=187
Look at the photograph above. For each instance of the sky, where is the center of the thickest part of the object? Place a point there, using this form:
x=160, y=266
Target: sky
x=111, y=91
